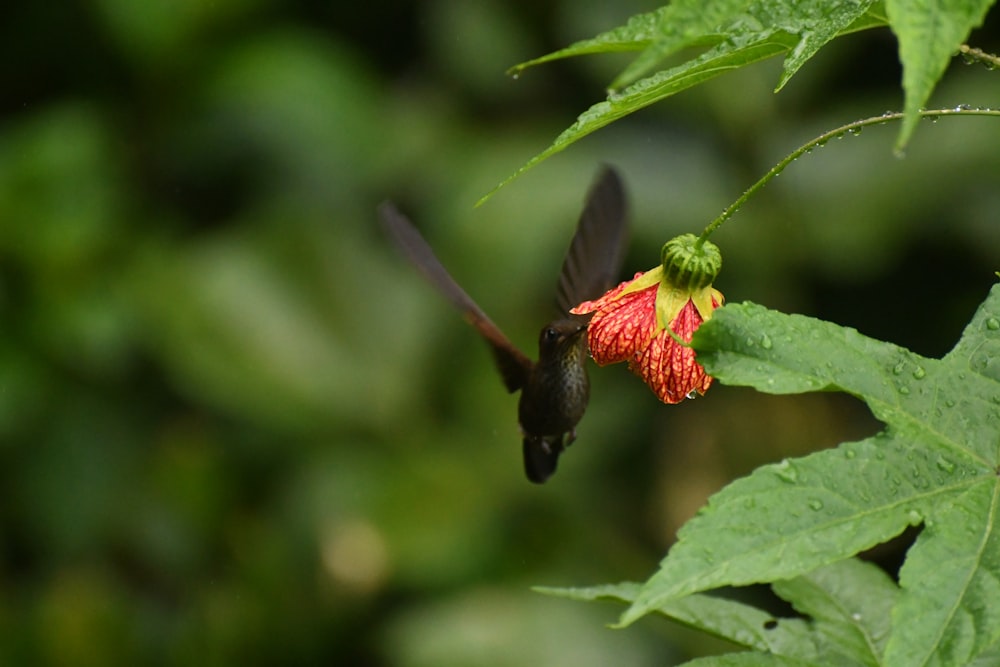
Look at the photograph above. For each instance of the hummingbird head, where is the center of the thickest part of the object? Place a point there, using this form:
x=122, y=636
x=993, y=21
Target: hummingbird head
x=560, y=337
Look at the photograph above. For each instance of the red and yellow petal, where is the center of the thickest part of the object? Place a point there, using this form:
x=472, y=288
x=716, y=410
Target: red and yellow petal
x=669, y=368
x=628, y=325
x=640, y=281
x=622, y=327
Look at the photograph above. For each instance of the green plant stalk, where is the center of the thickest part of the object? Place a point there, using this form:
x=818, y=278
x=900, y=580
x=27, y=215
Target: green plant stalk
x=851, y=128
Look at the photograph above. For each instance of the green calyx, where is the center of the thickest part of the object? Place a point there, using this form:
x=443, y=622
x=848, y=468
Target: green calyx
x=690, y=263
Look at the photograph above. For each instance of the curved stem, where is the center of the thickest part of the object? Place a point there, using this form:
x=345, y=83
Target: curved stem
x=851, y=128
x=972, y=54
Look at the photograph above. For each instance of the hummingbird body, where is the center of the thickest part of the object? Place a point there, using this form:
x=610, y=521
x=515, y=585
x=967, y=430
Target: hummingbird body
x=555, y=396
x=555, y=389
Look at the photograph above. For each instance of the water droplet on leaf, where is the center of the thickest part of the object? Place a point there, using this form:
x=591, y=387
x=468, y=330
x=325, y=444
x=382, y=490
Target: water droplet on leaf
x=993, y=324
x=919, y=373
x=945, y=465
x=765, y=342
x=816, y=505
x=786, y=471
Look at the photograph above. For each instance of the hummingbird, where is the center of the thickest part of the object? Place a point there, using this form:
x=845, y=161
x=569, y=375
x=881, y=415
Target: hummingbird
x=555, y=389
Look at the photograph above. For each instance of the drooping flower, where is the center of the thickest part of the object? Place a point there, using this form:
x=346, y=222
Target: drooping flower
x=631, y=321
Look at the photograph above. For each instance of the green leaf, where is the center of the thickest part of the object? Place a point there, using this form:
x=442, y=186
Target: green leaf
x=935, y=463
x=850, y=603
x=683, y=24
x=951, y=580
x=635, y=35
x=738, y=33
x=929, y=34
x=790, y=518
x=653, y=89
x=808, y=26
x=739, y=623
x=816, y=24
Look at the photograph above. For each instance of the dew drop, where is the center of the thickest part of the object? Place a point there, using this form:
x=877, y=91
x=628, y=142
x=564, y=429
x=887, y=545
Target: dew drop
x=919, y=373
x=856, y=617
x=898, y=368
x=914, y=517
x=904, y=390
x=816, y=505
x=950, y=403
x=850, y=453
x=993, y=324
x=786, y=472
x=944, y=465
x=765, y=342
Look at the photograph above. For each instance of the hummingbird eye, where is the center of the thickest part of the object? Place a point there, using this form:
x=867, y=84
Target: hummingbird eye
x=551, y=334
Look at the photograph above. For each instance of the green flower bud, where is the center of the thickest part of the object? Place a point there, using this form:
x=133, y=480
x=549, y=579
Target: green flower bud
x=690, y=265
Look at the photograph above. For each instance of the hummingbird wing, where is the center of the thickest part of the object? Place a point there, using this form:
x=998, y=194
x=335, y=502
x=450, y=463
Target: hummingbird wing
x=514, y=366
x=593, y=261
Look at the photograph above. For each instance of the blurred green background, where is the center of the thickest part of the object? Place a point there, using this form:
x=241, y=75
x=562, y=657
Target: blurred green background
x=235, y=428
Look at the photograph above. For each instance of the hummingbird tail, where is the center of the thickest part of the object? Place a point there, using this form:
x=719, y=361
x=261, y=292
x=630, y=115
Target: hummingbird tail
x=541, y=455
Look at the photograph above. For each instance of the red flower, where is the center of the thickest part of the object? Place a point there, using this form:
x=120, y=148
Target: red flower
x=631, y=322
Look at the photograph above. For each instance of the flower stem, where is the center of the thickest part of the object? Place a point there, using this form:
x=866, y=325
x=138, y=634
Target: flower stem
x=972, y=55
x=851, y=128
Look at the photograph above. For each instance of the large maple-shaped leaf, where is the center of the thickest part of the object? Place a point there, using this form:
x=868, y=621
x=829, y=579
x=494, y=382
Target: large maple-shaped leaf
x=936, y=464
x=728, y=34
x=735, y=33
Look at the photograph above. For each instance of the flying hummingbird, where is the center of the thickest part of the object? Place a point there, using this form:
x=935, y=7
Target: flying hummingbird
x=555, y=389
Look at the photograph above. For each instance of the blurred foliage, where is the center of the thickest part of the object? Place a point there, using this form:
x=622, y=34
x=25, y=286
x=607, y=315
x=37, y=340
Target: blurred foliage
x=235, y=428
